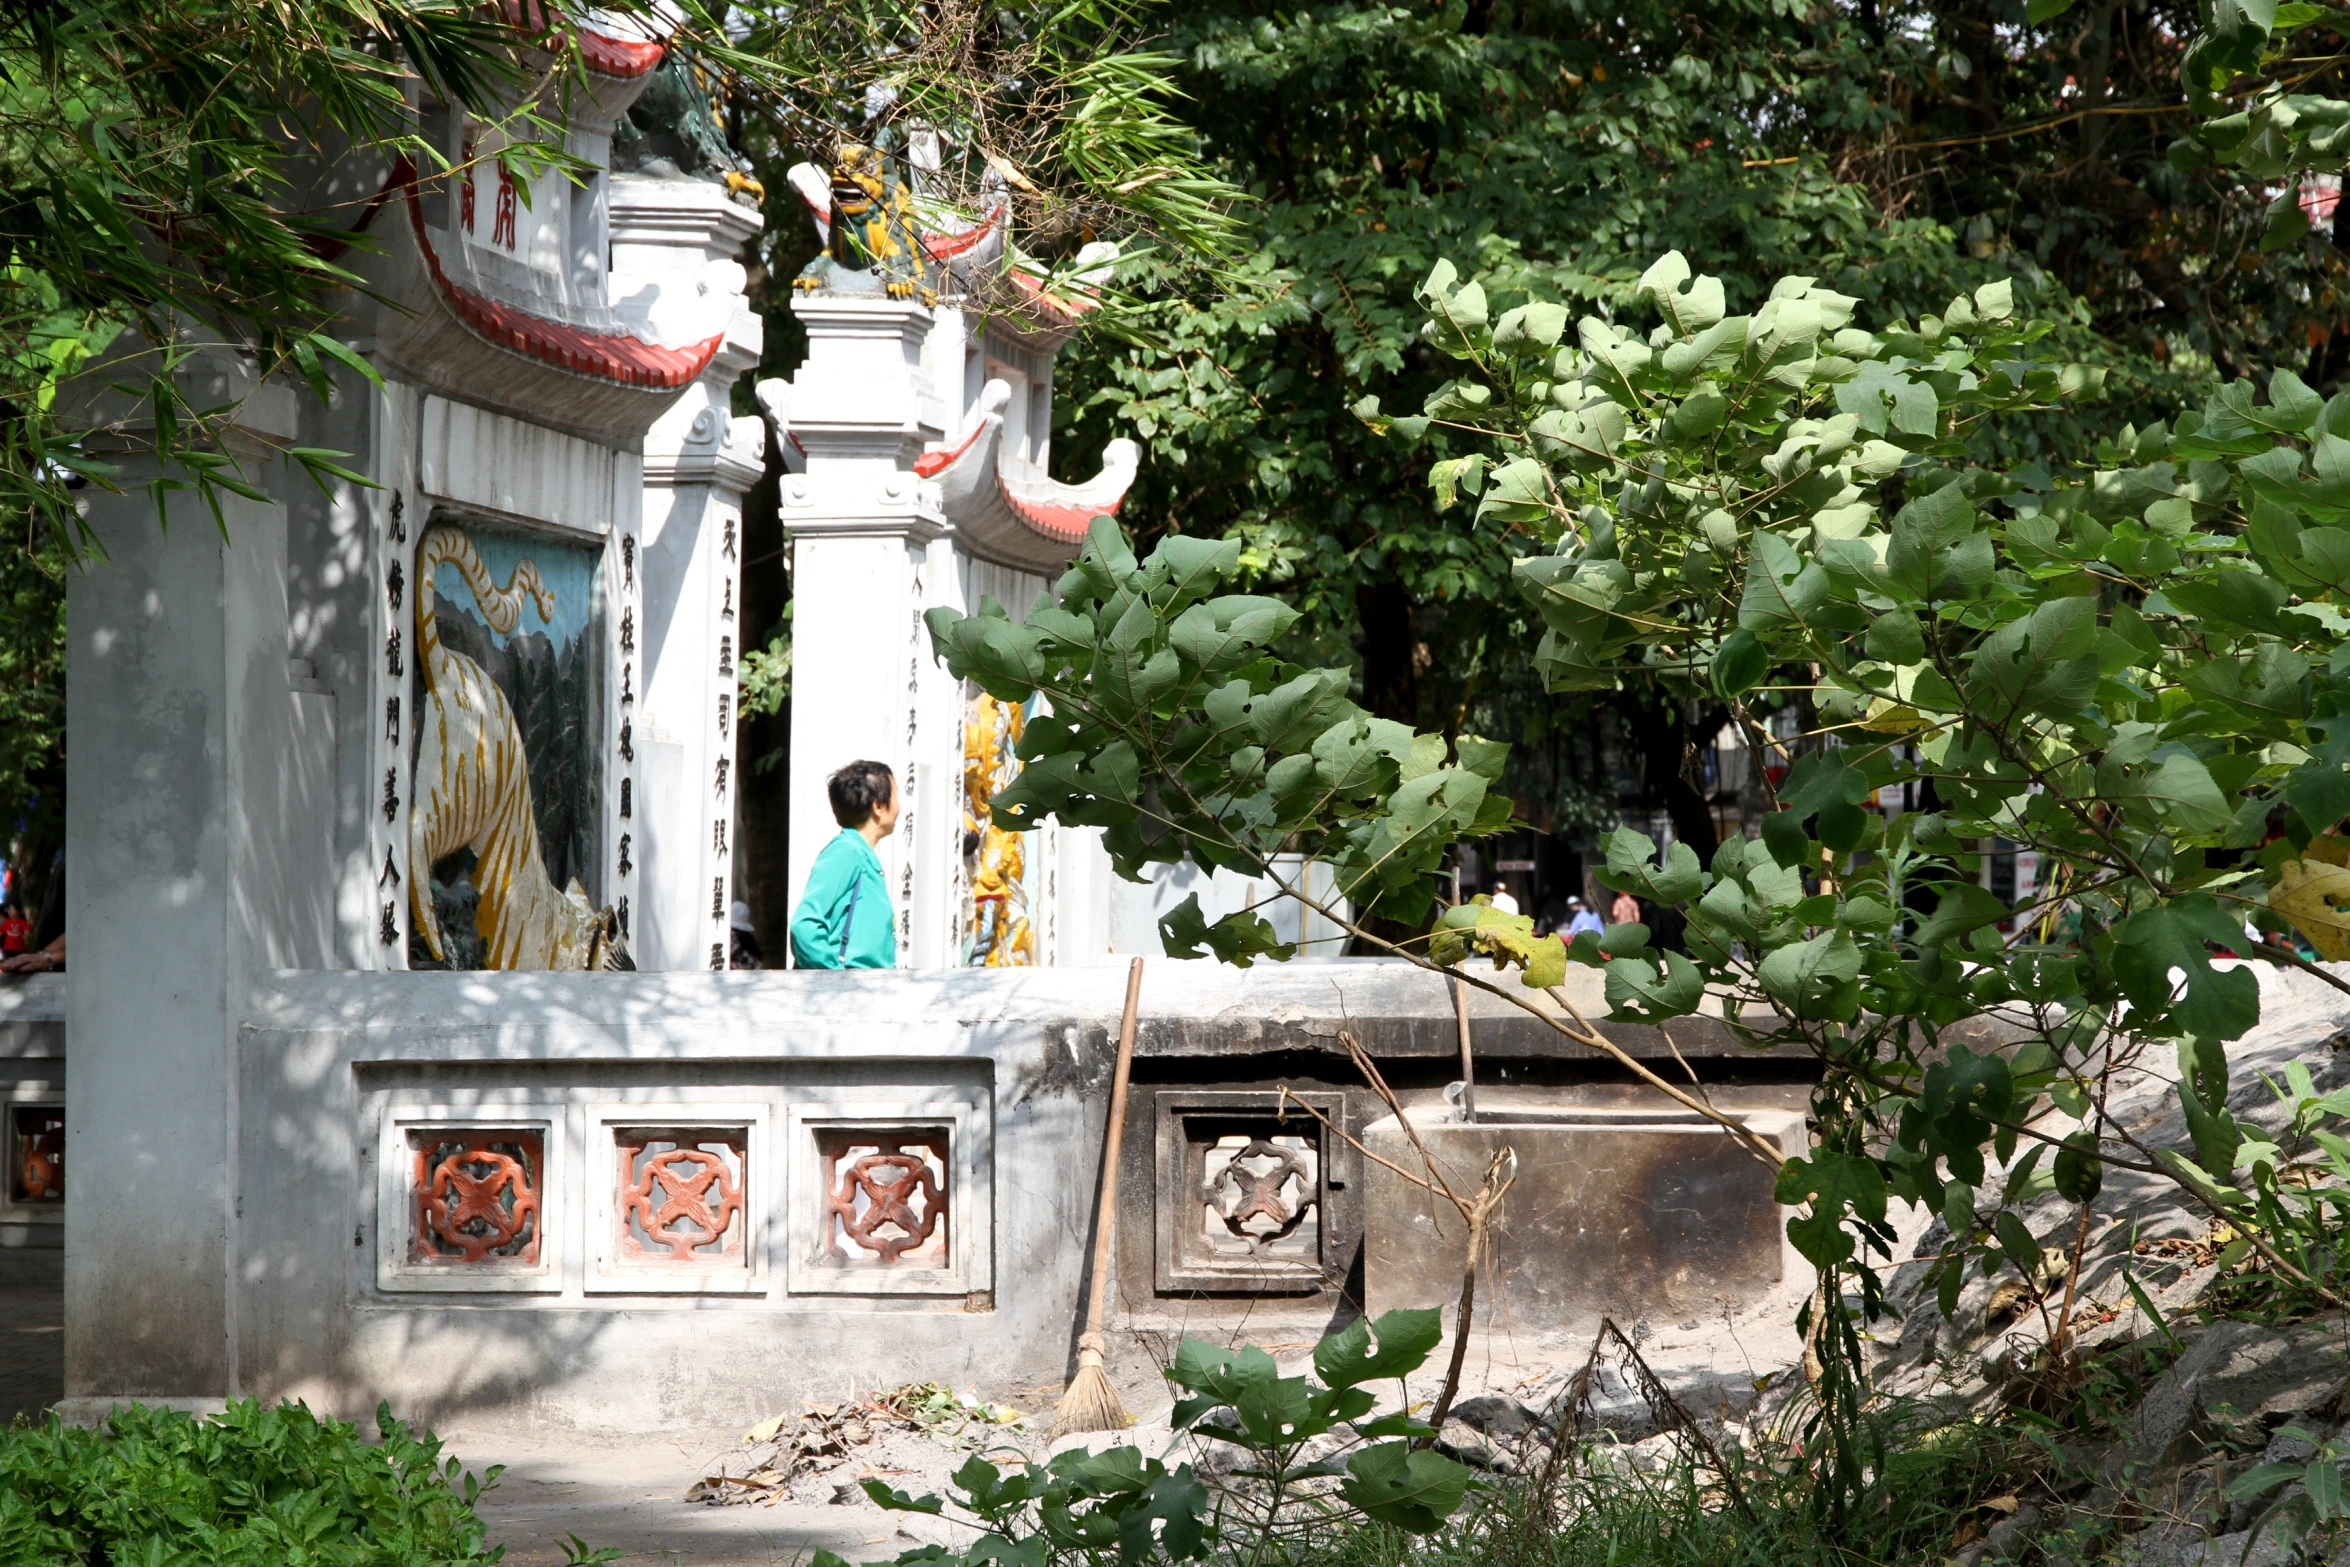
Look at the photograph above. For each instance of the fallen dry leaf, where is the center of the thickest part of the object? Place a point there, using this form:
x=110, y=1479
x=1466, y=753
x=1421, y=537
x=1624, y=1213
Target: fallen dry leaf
x=2312, y=894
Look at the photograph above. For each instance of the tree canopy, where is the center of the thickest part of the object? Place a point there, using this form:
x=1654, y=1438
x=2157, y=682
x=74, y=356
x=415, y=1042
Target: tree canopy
x=1901, y=152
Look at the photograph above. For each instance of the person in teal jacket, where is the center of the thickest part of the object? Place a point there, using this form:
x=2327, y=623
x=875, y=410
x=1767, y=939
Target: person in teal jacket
x=844, y=919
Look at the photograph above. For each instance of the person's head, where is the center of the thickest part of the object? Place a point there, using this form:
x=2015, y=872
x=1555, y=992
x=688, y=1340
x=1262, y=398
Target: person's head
x=864, y=794
x=1574, y=905
x=1501, y=889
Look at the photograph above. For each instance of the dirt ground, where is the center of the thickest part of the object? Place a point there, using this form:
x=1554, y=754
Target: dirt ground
x=629, y=1490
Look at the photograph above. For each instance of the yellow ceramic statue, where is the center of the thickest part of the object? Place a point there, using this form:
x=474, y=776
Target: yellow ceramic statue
x=997, y=933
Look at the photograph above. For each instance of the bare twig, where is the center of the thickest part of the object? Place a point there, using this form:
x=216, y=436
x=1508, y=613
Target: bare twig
x=1476, y=1211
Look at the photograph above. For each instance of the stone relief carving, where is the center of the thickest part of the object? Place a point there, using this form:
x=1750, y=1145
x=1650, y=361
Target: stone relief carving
x=1258, y=1192
x=873, y=241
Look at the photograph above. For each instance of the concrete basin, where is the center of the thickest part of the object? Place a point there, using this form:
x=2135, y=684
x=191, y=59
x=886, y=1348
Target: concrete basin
x=1623, y=1213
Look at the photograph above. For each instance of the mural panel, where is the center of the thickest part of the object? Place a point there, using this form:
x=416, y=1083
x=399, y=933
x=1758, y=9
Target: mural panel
x=505, y=800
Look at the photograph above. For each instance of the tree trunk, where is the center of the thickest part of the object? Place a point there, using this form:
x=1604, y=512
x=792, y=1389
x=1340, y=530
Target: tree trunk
x=1391, y=684
x=1666, y=758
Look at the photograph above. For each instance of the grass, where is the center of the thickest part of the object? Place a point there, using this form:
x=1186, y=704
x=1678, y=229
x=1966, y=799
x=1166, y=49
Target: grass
x=1925, y=1502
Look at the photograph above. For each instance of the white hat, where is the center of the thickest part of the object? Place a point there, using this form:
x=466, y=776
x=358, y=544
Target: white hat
x=739, y=917
x=1573, y=902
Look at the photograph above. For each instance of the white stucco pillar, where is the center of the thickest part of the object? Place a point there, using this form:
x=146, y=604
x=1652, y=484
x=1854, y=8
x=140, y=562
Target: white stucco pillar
x=674, y=276
x=871, y=552
x=186, y=731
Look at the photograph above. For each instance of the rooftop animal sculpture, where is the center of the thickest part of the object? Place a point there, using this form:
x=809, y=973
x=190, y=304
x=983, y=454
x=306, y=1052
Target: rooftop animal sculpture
x=472, y=788
x=871, y=233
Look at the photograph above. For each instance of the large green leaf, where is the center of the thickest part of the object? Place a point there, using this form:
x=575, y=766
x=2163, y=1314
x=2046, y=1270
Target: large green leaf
x=1936, y=552
x=1783, y=590
x=2044, y=663
x=1653, y=989
x=1815, y=979
x=1404, y=1339
x=1836, y=1185
x=1634, y=866
x=2152, y=943
x=1408, y=1489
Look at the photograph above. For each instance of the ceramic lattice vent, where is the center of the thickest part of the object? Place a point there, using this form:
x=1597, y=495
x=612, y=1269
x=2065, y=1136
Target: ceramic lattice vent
x=32, y=1140
x=680, y=1205
x=568, y=1195
x=1247, y=1193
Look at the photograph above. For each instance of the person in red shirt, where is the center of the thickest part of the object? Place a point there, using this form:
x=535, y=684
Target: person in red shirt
x=16, y=932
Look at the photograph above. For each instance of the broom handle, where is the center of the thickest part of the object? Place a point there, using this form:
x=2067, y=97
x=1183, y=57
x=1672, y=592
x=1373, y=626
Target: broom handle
x=1098, y=1295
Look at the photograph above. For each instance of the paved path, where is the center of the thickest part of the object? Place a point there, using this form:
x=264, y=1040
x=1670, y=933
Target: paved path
x=629, y=1494
x=32, y=1348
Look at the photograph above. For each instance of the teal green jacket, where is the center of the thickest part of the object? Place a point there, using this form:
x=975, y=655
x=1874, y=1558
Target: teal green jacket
x=844, y=919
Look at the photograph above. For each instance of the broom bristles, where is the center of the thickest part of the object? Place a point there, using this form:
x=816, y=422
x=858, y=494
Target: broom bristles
x=1091, y=1403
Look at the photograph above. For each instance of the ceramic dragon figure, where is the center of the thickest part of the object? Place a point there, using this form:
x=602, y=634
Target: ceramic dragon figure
x=872, y=236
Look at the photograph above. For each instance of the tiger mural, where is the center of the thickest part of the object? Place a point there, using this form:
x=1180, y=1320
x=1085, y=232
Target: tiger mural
x=472, y=787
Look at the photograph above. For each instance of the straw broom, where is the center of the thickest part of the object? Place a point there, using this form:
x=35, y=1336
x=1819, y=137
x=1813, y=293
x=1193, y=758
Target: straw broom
x=1091, y=1403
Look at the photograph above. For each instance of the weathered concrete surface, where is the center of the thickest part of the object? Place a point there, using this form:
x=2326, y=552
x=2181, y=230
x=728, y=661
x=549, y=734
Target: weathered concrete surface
x=320, y=1060
x=1617, y=1212
x=182, y=732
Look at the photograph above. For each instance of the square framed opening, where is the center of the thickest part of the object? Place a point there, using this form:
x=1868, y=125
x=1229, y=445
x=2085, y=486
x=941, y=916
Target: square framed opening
x=1249, y=1196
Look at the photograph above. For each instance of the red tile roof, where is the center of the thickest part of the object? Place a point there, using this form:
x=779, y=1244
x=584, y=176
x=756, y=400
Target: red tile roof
x=610, y=356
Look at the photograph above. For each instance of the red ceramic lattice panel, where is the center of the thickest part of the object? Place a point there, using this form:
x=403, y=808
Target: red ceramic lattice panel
x=36, y=1154
x=477, y=1195
x=885, y=1196
x=681, y=1195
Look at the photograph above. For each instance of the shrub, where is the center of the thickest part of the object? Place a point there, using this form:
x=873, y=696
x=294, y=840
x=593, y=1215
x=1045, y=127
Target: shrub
x=249, y=1486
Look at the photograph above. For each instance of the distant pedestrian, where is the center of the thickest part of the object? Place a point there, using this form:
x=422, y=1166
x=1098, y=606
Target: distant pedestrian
x=1502, y=899
x=742, y=940
x=16, y=932
x=844, y=919
x=1625, y=910
x=1580, y=919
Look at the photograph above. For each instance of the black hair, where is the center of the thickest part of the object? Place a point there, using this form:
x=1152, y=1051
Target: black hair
x=857, y=788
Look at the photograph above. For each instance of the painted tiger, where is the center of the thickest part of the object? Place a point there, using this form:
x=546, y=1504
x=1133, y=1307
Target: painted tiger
x=472, y=787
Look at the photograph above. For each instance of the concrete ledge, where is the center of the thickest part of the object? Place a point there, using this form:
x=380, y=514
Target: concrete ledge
x=32, y=1020
x=28, y=1265
x=1194, y=1008
x=32, y=998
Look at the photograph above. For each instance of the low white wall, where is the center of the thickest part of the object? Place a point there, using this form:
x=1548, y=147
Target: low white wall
x=338, y=1078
